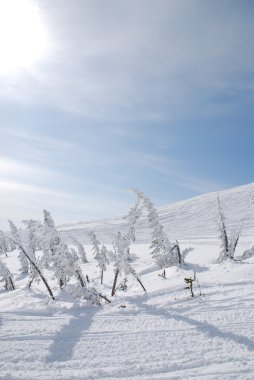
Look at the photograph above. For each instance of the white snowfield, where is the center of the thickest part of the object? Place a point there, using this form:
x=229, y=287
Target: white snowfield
x=189, y=219
x=161, y=334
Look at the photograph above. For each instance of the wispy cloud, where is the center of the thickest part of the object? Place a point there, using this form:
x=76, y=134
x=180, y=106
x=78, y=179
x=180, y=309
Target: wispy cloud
x=126, y=62
x=145, y=94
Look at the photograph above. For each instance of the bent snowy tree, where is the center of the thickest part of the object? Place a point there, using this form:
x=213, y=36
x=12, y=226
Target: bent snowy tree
x=161, y=249
x=228, y=244
x=122, y=264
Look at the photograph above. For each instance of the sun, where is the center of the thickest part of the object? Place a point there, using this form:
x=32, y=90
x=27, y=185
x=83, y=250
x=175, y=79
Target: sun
x=23, y=38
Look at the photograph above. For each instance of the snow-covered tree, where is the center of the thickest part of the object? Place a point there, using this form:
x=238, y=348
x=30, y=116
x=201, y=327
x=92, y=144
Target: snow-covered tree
x=50, y=239
x=248, y=253
x=96, y=244
x=81, y=251
x=132, y=217
x=7, y=276
x=62, y=260
x=32, y=235
x=48, y=220
x=25, y=249
x=161, y=248
x=3, y=244
x=103, y=261
x=17, y=239
x=228, y=244
x=181, y=254
x=122, y=263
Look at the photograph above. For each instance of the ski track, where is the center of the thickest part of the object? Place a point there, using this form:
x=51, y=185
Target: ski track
x=200, y=338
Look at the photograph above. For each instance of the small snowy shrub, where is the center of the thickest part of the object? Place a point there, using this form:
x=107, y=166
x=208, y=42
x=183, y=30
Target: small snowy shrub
x=7, y=276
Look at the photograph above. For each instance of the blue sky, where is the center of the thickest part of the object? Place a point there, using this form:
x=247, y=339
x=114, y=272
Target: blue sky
x=150, y=94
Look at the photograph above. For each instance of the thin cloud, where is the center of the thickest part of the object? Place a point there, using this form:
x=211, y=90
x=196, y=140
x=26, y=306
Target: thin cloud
x=137, y=62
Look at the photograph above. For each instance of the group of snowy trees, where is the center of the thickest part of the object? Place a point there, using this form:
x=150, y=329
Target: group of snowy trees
x=43, y=254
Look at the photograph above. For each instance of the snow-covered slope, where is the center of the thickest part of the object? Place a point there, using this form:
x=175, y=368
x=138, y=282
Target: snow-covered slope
x=163, y=334
x=190, y=219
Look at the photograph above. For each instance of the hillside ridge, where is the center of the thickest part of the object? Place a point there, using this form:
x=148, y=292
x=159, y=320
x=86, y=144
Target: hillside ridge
x=187, y=219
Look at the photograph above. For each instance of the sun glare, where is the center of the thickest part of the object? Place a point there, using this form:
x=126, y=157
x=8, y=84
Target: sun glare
x=23, y=39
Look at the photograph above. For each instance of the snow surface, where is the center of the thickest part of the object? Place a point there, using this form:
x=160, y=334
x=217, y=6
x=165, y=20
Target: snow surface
x=193, y=218
x=161, y=334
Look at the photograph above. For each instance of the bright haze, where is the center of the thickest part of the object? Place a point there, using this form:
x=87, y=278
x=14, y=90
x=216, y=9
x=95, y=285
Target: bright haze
x=97, y=97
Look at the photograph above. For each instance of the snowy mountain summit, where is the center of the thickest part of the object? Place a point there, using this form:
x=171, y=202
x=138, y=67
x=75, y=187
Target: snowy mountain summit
x=190, y=219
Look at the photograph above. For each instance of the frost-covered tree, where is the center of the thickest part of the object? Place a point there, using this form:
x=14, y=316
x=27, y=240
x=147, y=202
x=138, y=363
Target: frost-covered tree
x=95, y=244
x=25, y=249
x=122, y=263
x=181, y=254
x=103, y=261
x=132, y=217
x=35, y=229
x=248, y=253
x=62, y=260
x=161, y=248
x=100, y=254
x=50, y=239
x=228, y=244
x=7, y=276
x=32, y=236
x=81, y=251
x=17, y=238
x=64, y=263
x=3, y=244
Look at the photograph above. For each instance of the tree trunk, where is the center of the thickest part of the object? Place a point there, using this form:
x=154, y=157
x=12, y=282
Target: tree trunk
x=105, y=298
x=179, y=253
x=101, y=276
x=30, y=282
x=138, y=279
x=36, y=268
x=114, y=284
x=80, y=279
x=12, y=283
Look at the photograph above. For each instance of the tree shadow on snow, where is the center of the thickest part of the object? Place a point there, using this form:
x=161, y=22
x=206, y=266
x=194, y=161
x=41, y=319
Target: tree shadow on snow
x=204, y=327
x=70, y=334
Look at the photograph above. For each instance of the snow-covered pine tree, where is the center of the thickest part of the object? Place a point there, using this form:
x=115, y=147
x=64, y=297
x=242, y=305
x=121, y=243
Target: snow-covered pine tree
x=33, y=231
x=96, y=244
x=90, y=294
x=50, y=239
x=60, y=259
x=161, y=248
x=48, y=220
x=132, y=218
x=81, y=251
x=16, y=239
x=7, y=276
x=248, y=253
x=181, y=254
x=122, y=264
x=11, y=245
x=15, y=235
x=3, y=244
x=228, y=245
x=103, y=261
